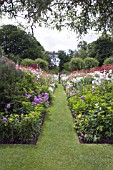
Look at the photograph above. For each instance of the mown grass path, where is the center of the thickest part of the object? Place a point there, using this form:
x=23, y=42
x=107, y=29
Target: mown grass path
x=58, y=147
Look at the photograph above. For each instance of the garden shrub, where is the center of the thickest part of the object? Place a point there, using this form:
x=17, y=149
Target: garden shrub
x=15, y=58
x=108, y=61
x=93, y=112
x=20, y=128
x=23, y=102
x=27, y=62
x=66, y=66
x=90, y=63
x=76, y=64
x=7, y=62
x=42, y=63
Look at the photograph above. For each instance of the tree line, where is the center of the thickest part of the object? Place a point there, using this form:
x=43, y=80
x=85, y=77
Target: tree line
x=23, y=48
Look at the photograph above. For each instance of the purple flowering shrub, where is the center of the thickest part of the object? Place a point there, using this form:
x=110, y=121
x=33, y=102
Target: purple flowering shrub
x=41, y=99
x=23, y=103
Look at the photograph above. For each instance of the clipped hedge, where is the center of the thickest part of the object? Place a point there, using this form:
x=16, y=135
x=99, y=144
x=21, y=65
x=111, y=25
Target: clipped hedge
x=27, y=62
x=90, y=63
x=108, y=61
x=42, y=63
x=76, y=64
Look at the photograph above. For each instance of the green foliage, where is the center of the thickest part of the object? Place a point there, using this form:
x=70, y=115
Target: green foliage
x=43, y=64
x=76, y=64
x=54, y=70
x=90, y=63
x=59, y=59
x=93, y=112
x=23, y=101
x=1, y=52
x=81, y=53
x=66, y=67
x=27, y=62
x=61, y=14
x=23, y=128
x=58, y=140
x=19, y=43
x=101, y=49
x=82, y=45
x=108, y=61
x=64, y=58
x=14, y=58
x=9, y=91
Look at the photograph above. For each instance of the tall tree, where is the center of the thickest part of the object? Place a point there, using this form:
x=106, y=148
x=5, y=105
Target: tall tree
x=17, y=42
x=81, y=53
x=54, y=58
x=79, y=15
x=70, y=53
x=102, y=48
x=63, y=58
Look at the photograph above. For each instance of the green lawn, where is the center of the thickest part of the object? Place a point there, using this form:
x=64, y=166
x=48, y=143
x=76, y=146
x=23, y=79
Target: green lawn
x=58, y=147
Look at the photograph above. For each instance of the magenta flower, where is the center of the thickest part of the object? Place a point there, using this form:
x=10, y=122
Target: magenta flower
x=28, y=96
x=36, y=100
x=34, y=103
x=8, y=105
x=46, y=96
x=5, y=119
x=47, y=104
x=39, y=96
x=81, y=134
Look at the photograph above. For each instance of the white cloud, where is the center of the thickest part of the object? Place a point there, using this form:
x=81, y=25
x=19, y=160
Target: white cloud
x=53, y=40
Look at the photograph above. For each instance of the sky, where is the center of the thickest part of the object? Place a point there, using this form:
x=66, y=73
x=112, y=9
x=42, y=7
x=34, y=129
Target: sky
x=53, y=40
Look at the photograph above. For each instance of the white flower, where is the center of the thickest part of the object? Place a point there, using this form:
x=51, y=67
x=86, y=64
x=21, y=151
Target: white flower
x=96, y=104
x=100, y=108
x=110, y=71
x=51, y=89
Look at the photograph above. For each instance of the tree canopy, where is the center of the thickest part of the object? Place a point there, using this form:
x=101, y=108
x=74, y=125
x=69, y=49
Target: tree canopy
x=101, y=49
x=63, y=58
x=82, y=45
x=15, y=41
x=79, y=15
